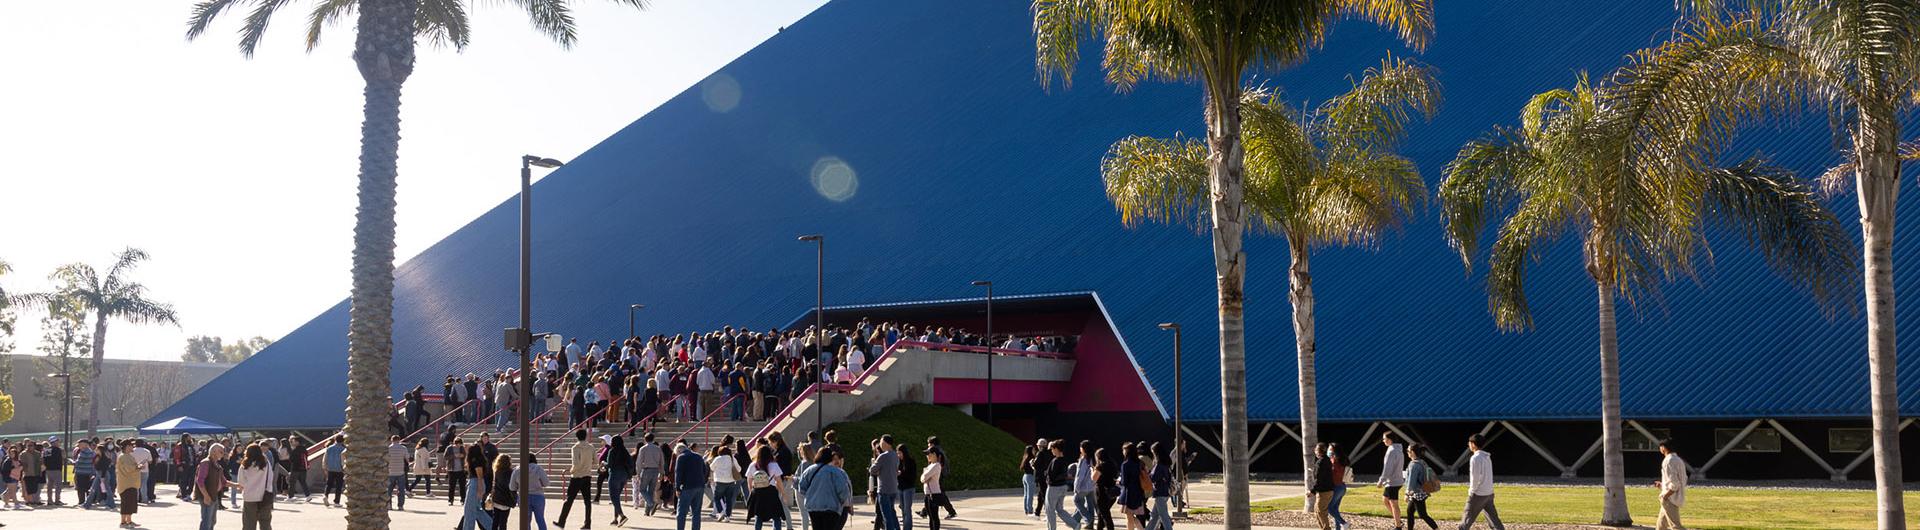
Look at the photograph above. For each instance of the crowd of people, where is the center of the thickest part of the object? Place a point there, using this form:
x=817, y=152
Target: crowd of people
x=686, y=377
x=122, y=474
x=1079, y=484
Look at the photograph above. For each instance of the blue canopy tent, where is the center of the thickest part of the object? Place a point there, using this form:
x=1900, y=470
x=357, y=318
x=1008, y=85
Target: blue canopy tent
x=185, y=425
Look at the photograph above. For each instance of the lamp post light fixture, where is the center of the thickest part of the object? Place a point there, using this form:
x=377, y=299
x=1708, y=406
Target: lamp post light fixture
x=819, y=323
x=1179, y=437
x=521, y=415
x=989, y=285
x=630, y=310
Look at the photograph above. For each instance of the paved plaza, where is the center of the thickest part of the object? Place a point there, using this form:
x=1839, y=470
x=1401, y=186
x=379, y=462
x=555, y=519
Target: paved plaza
x=999, y=509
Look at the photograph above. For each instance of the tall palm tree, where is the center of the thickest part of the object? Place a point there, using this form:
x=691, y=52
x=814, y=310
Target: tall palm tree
x=111, y=297
x=1215, y=42
x=1324, y=177
x=1580, y=162
x=384, y=52
x=1858, y=60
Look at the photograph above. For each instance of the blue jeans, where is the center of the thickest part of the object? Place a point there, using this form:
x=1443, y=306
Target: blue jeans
x=723, y=493
x=1056, y=508
x=112, y=490
x=906, y=509
x=688, y=506
x=1026, y=494
x=208, y=511
x=738, y=408
x=648, y=478
x=146, y=485
x=1083, y=505
x=397, y=487
x=1161, y=519
x=1333, y=507
x=475, y=512
x=538, y=504
x=883, y=503
x=617, y=483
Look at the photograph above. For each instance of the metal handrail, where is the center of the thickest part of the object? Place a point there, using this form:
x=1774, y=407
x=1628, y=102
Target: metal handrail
x=706, y=419
x=531, y=422
x=582, y=424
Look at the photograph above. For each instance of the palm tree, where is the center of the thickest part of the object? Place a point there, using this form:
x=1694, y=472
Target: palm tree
x=1328, y=177
x=109, y=298
x=384, y=52
x=1580, y=162
x=1859, y=61
x=1215, y=42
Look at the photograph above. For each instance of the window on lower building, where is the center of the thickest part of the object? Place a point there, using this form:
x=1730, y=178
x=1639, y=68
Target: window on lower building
x=1636, y=441
x=1761, y=440
x=1849, y=440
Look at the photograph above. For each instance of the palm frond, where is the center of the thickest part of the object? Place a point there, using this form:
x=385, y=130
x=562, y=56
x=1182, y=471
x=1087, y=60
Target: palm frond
x=254, y=29
x=1362, y=196
x=1839, y=178
x=553, y=18
x=1536, y=220
x=326, y=13
x=1411, y=20
x=1057, y=31
x=203, y=14
x=1783, y=218
x=443, y=23
x=1374, y=114
x=144, y=311
x=1157, y=179
x=1484, y=176
x=123, y=262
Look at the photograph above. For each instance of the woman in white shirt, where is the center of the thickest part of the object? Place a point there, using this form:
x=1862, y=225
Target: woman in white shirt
x=856, y=359
x=764, y=493
x=936, y=496
x=256, y=489
x=726, y=472
x=422, y=468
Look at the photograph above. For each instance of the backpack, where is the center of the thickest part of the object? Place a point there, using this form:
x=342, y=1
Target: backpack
x=759, y=479
x=1432, y=484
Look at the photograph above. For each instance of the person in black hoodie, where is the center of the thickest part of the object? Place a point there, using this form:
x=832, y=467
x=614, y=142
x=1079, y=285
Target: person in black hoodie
x=502, y=497
x=1321, y=485
x=1059, y=487
x=1042, y=458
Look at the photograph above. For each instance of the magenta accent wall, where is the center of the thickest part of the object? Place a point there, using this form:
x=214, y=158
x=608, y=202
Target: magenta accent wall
x=1104, y=379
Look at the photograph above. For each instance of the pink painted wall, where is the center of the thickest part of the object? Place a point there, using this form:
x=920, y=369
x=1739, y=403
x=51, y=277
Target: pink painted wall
x=1104, y=380
x=960, y=391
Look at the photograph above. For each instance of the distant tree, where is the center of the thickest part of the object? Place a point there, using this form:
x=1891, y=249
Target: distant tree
x=108, y=297
x=6, y=408
x=7, y=320
x=144, y=391
x=202, y=349
x=242, y=350
x=65, y=342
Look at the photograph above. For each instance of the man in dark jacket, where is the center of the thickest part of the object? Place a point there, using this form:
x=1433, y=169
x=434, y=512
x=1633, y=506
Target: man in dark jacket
x=690, y=479
x=1321, y=486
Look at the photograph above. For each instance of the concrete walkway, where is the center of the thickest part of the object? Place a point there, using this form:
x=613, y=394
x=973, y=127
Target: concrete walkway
x=999, y=509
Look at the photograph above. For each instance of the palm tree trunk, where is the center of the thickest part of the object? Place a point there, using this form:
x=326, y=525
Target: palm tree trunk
x=383, y=50
x=1613, y=510
x=1226, y=159
x=93, y=389
x=1878, y=181
x=1300, y=293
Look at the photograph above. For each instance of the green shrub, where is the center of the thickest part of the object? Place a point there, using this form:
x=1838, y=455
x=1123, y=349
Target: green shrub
x=989, y=458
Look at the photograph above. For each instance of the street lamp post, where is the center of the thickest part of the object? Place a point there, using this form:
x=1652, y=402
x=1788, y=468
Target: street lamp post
x=630, y=310
x=66, y=411
x=989, y=285
x=819, y=322
x=1179, y=463
x=521, y=415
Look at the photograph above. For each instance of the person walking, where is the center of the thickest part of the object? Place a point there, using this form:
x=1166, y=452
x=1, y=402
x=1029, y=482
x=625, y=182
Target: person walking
x=335, y=462
x=256, y=490
x=474, y=502
x=582, y=466
x=1673, y=488
x=297, y=469
x=689, y=484
x=1161, y=477
x=1133, y=494
x=83, y=473
x=764, y=483
x=126, y=474
x=1479, y=486
x=933, y=446
x=454, y=458
x=1420, y=483
x=650, y=458
x=1320, y=484
x=1059, y=483
x=1083, y=494
x=1106, y=489
x=1391, y=476
x=726, y=473
x=422, y=468
x=930, y=483
x=534, y=500
x=826, y=490
x=1027, y=483
x=397, y=457
x=501, y=499
x=1340, y=474
x=208, y=480
x=885, y=472
x=619, y=470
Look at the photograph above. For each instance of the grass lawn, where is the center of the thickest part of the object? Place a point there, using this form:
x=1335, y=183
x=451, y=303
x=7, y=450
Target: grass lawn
x=987, y=456
x=1707, y=508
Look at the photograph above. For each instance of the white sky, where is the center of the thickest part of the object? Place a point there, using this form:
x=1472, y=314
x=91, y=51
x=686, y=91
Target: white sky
x=238, y=175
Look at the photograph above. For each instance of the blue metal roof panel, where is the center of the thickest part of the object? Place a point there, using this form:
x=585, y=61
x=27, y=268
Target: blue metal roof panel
x=967, y=168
